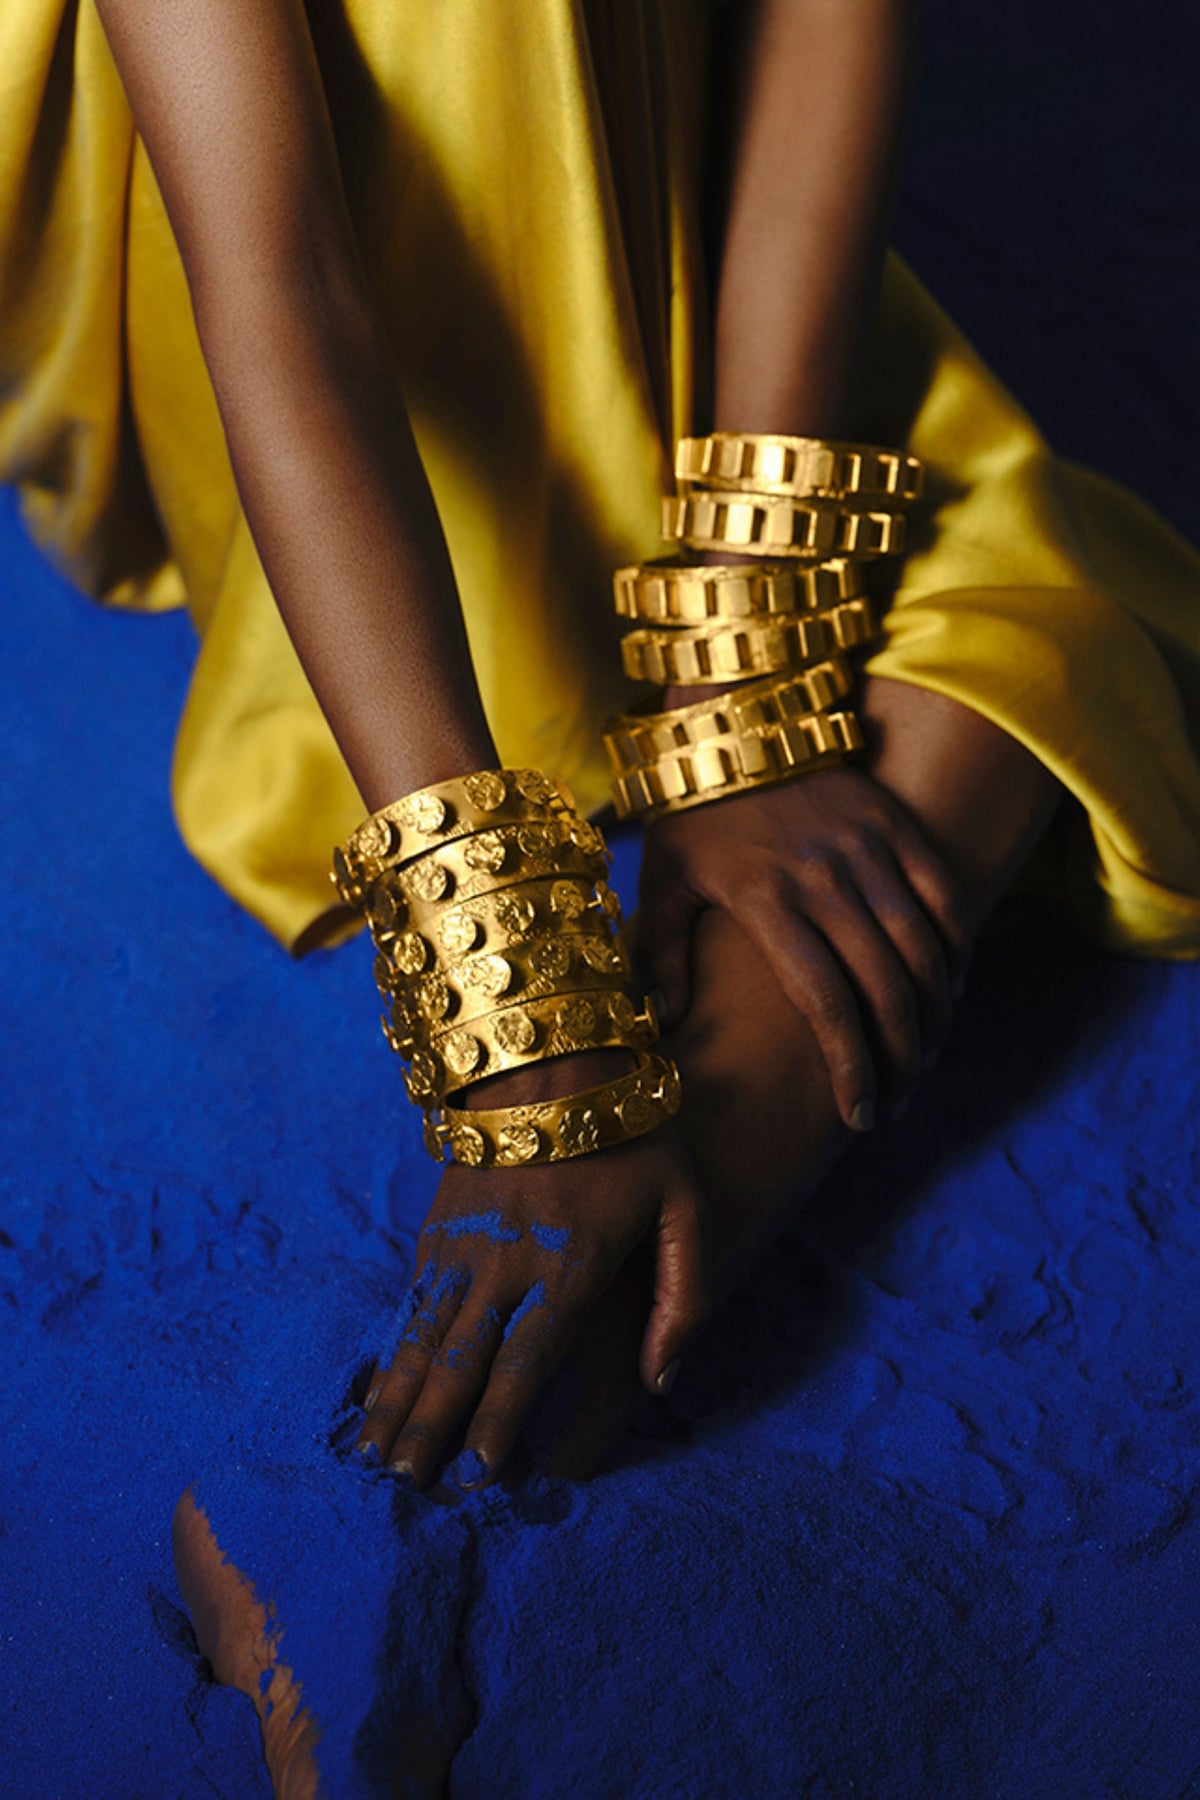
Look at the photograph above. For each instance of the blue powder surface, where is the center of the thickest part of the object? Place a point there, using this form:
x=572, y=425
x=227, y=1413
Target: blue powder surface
x=920, y=1518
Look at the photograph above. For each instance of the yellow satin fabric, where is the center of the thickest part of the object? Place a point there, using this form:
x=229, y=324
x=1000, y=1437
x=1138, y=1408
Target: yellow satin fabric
x=524, y=190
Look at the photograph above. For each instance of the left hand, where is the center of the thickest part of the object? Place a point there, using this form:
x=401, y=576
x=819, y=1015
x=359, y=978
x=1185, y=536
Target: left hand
x=861, y=920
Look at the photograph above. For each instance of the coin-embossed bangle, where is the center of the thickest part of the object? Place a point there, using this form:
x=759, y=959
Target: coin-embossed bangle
x=691, y=656
x=437, y=815
x=523, y=909
x=642, y=734
x=756, y=522
x=798, y=466
x=455, y=993
x=734, y=764
x=668, y=591
x=554, y=1130
x=515, y=1036
x=486, y=863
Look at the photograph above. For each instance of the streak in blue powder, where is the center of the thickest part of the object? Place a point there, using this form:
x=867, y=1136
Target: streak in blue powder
x=535, y=1297
x=488, y=1225
x=551, y=1237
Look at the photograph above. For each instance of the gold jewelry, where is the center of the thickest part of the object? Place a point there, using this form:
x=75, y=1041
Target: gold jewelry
x=731, y=765
x=486, y=863
x=437, y=815
x=769, y=464
x=447, y=994
x=704, y=653
x=756, y=522
x=553, y=1130
x=665, y=591
x=524, y=908
x=512, y=1037
x=643, y=734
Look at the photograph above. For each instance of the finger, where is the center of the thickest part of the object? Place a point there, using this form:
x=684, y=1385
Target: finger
x=662, y=946
x=456, y=1376
x=535, y=1339
x=425, y=1314
x=938, y=891
x=883, y=984
x=888, y=894
x=681, y=1302
x=815, y=982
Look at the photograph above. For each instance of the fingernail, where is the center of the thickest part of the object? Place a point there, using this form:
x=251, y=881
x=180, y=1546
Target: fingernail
x=666, y=1380
x=863, y=1116
x=369, y=1452
x=470, y=1470
x=372, y=1397
x=401, y=1467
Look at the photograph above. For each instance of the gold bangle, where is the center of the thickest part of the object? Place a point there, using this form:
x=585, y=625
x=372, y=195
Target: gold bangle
x=756, y=522
x=493, y=921
x=731, y=765
x=554, y=1130
x=458, y=993
x=666, y=591
x=487, y=863
x=432, y=816
x=768, y=464
x=642, y=734
x=513, y=1037
x=706, y=653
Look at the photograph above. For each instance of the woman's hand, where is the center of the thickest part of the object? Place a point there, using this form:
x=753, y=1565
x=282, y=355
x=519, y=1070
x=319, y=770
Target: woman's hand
x=508, y=1263
x=860, y=919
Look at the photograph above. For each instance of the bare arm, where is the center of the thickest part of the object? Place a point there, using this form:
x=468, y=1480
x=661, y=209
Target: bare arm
x=848, y=903
x=228, y=99
x=817, y=105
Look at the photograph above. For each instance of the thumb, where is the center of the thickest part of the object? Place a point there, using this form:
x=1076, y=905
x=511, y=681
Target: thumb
x=681, y=1304
x=662, y=942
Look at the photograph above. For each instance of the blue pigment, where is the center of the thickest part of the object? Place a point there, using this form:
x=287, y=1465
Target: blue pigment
x=489, y=1225
x=922, y=1518
x=469, y=1469
x=551, y=1237
x=533, y=1299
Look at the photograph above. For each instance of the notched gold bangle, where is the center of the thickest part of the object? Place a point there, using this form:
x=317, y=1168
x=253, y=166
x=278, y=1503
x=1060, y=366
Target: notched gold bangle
x=798, y=466
x=756, y=522
x=691, y=656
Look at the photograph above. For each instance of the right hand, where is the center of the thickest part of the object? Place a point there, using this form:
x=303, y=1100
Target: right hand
x=508, y=1263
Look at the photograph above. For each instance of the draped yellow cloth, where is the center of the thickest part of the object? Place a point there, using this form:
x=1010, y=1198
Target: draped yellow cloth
x=524, y=188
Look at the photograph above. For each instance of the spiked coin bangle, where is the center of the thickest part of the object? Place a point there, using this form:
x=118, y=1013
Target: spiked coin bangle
x=499, y=943
x=553, y=1130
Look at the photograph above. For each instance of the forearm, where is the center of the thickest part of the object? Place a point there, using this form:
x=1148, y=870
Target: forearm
x=345, y=524
x=817, y=103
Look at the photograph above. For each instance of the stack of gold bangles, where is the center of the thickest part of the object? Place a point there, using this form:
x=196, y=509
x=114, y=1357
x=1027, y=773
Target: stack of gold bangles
x=809, y=513
x=499, y=942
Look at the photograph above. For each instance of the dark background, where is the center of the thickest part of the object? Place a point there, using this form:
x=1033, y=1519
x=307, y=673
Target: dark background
x=1050, y=199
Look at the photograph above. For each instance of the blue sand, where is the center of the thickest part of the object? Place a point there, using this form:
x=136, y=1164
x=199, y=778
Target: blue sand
x=920, y=1519
x=535, y=1298
x=551, y=1237
x=469, y=1469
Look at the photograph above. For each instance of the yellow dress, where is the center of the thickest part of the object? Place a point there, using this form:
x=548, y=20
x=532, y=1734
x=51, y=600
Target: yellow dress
x=524, y=191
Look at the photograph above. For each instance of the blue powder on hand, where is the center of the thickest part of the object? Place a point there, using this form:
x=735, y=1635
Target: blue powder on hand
x=535, y=1297
x=489, y=1225
x=551, y=1237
